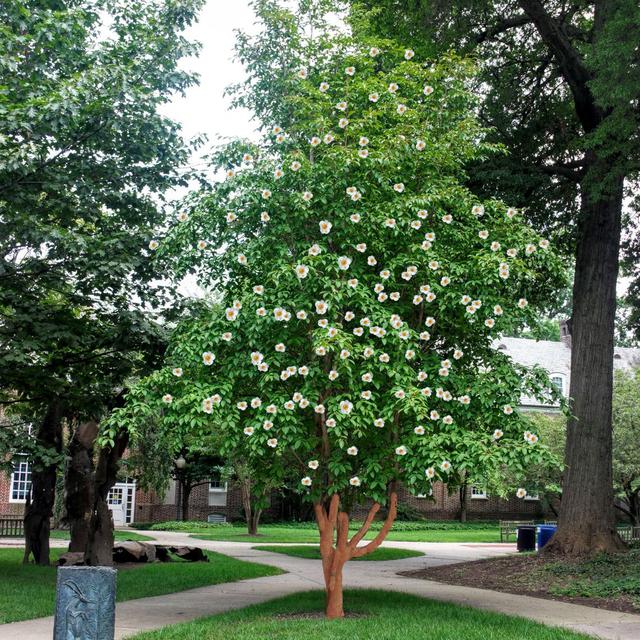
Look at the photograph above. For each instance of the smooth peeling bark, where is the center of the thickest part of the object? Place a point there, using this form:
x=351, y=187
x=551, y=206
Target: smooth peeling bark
x=333, y=523
x=586, y=522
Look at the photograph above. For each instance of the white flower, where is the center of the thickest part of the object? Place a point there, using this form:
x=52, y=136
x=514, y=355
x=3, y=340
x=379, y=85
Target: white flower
x=265, y=217
x=263, y=366
x=248, y=431
x=445, y=465
x=409, y=354
x=307, y=195
x=408, y=54
x=303, y=371
x=321, y=351
x=325, y=227
x=434, y=265
x=315, y=141
x=371, y=261
x=544, y=244
x=355, y=217
x=226, y=336
x=177, y=371
x=301, y=315
x=364, y=141
x=267, y=425
x=390, y=223
x=356, y=196
x=256, y=358
x=530, y=248
x=295, y=165
x=302, y=271
x=368, y=352
x=266, y=194
x=384, y=357
x=378, y=422
x=324, y=87
x=304, y=403
x=511, y=212
x=401, y=450
x=484, y=234
x=167, y=398
x=427, y=90
x=231, y=313
x=319, y=408
x=302, y=73
x=420, y=145
x=374, y=51
x=522, y=303
x=279, y=314
x=507, y=409
x=343, y=122
x=344, y=354
x=330, y=422
x=392, y=88
x=399, y=187
x=208, y=358
x=153, y=245
x=207, y=405
x=344, y=262
x=183, y=216
x=497, y=310
x=237, y=304
x=278, y=173
x=417, y=299
x=258, y=289
x=321, y=307
x=242, y=405
x=255, y=403
x=366, y=394
x=533, y=438
x=290, y=405
x=447, y=420
x=313, y=464
x=490, y=322
x=416, y=224
x=350, y=71
x=363, y=153
x=352, y=451
x=400, y=394
x=497, y=434
x=333, y=374
x=272, y=409
x=280, y=347
x=434, y=415
x=230, y=173
x=261, y=311
x=349, y=315
x=430, y=472
x=521, y=493
x=346, y=407
x=401, y=109
x=429, y=322
x=306, y=481
x=477, y=210
x=374, y=97
x=272, y=442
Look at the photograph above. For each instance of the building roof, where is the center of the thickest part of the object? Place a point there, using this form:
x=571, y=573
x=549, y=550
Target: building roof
x=555, y=357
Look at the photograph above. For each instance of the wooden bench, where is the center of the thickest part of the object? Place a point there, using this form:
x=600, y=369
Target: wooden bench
x=629, y=534
x=510, y=528
x=11, y=527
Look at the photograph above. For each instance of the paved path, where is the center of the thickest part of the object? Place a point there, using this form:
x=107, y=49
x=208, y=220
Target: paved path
x=152, y=613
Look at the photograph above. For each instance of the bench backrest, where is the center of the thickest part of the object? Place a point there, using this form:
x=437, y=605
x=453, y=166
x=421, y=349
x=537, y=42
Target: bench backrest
x=11, y=527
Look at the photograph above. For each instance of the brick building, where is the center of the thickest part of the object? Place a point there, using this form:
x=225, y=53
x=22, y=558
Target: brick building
x=216, y=499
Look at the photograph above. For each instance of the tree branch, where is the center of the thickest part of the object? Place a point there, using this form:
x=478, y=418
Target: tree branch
x=382, y=534
x=362, y=532
x=500, y=27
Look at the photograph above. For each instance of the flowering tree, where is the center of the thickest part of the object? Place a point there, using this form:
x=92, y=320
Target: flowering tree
x=361, y=288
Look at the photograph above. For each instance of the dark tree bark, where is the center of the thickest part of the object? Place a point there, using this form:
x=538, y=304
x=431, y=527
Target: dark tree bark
x=586, y=522
x=186, y=497
x=39, y=507
x=79, y=484
x=462, y=492
x=99, y=550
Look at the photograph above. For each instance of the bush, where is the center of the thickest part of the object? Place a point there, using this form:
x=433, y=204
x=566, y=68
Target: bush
x=189, y=525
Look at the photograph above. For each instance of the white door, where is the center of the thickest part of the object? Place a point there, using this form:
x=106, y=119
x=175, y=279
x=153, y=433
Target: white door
x=117, y=505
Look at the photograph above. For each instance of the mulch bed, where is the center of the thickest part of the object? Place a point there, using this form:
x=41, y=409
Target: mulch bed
x=521, y=575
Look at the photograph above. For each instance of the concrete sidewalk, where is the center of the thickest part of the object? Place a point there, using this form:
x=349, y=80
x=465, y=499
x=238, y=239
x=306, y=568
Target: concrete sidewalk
x=152, y=613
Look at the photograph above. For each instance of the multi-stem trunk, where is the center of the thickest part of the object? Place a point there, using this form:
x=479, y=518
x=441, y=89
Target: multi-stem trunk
x=336, y=548
x=586, y=522
x=79, y=485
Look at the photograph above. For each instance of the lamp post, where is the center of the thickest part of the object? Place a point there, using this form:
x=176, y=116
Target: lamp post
x=180, y=463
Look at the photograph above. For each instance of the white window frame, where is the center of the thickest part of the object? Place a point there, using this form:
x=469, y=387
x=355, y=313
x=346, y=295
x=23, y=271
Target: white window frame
x=563, y=378
x=18, y=481
x=221, y=489
x=478, y=493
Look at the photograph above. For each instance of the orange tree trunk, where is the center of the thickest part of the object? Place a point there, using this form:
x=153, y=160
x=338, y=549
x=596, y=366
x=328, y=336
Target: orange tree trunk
x=333, y=523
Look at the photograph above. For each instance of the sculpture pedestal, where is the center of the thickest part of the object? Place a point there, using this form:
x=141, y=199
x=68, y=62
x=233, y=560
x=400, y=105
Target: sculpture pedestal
x=85, y=603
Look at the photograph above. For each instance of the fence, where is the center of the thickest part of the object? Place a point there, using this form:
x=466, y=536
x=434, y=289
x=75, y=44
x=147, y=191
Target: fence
x=11, y=527
x=629, y=534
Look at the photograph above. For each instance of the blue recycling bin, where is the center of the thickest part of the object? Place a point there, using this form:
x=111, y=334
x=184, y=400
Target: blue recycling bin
x=545, y=532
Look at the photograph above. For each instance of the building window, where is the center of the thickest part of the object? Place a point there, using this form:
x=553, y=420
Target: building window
x=478, y=493
x=558, y=382
x=532, y=496
x=216, y=484
x=20, y=481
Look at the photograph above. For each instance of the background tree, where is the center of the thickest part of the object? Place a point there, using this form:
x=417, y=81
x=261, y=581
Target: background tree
x=85, y=161
x=626, y=435
x=562, y=88
x=362, y=286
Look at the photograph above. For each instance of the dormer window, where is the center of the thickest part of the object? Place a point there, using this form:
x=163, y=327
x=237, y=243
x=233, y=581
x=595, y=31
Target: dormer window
x=558, y=382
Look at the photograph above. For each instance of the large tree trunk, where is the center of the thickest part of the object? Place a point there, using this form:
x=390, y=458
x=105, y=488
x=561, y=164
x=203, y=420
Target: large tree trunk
x=99, y=549
x=79, y=484
x=335, y=554
x=586, y=522
x=463, y=502
x=39, y=507
x=247, y=505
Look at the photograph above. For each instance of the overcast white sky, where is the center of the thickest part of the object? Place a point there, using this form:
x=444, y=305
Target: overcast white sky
x=204, y=109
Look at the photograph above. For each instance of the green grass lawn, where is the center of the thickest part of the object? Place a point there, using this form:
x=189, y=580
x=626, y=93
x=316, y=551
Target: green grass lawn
x=313, y=553
x=63, y=534
x=378, y=615
x=28, y=591
x=281, y=533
